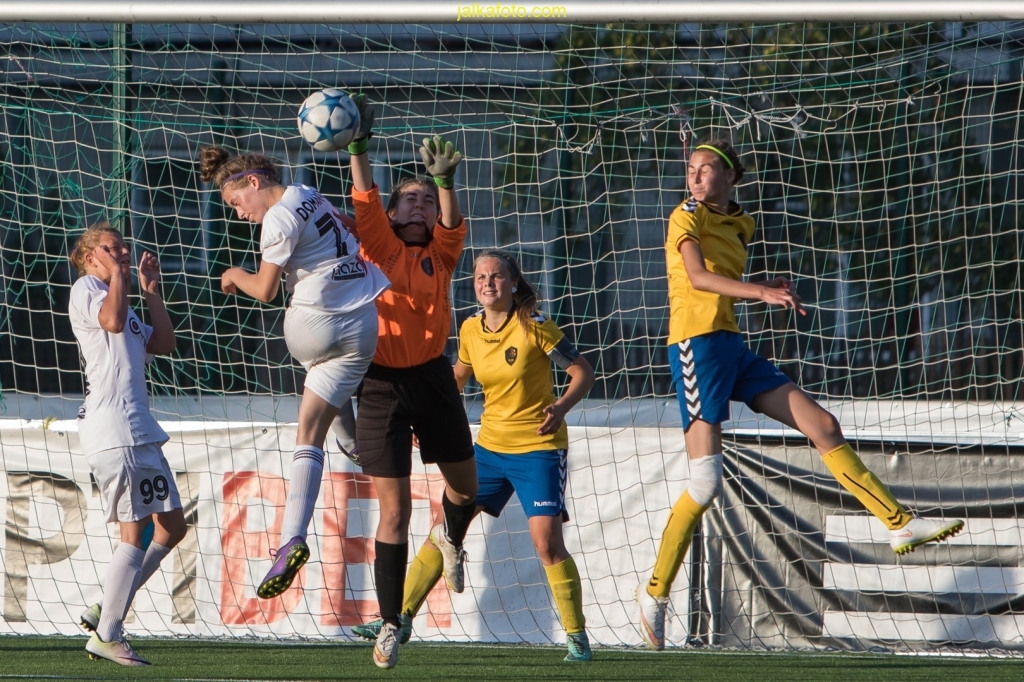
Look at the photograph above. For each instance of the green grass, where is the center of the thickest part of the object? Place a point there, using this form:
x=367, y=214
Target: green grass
x=65, y=658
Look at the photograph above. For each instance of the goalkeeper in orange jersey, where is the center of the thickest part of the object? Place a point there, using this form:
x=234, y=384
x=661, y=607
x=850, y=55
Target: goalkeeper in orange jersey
x=706, y=253
x=409, y=389
x=522, y=445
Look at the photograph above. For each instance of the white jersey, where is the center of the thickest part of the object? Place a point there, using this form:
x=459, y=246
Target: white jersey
x=116, y=410
x=303, y=235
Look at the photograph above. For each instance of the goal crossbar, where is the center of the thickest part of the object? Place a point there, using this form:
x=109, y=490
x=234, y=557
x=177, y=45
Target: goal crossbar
x=492, y=11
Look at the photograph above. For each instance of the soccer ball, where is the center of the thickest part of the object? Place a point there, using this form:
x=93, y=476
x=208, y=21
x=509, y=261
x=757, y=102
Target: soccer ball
x=328, y=120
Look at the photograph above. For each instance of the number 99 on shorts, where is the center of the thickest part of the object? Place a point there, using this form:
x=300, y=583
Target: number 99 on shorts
x=154, y=488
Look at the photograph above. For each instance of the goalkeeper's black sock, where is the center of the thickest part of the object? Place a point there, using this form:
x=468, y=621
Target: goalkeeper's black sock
x=456, y=519
x=389, y=572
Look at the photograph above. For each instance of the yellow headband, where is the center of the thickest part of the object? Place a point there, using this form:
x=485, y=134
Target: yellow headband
x=728, y=161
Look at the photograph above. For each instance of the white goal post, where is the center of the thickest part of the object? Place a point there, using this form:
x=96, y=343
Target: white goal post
x=577, y=11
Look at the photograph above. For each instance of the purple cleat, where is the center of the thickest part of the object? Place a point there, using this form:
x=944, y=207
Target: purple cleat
x=289, y=559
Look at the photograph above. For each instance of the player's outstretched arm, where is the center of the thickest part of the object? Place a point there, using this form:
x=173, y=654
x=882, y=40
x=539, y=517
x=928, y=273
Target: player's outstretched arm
x=162, y=341
x=372, y=227
x=441, y=159
x=581, y=380
x=262, y=286
x=362, y=174
x=778, y=291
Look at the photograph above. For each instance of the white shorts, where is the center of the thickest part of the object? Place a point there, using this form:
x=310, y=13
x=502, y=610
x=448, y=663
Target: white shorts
x=135, y=482
x=334, y=348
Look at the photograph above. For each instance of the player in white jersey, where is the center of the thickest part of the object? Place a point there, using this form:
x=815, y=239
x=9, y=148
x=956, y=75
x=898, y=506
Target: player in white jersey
x=119, y=436
x=330, y=326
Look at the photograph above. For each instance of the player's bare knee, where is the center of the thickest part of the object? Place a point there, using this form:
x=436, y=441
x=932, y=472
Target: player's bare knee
x=170, y=528
x=827, y=430
x=395, y=520
x=546, y=553
x=550, y=551
x=463, y=497
x=461, y=487
x=177, y=533
x=831, y=425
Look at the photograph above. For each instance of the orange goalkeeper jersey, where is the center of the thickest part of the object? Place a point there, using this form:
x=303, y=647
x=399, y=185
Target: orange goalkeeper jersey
x=414, y=315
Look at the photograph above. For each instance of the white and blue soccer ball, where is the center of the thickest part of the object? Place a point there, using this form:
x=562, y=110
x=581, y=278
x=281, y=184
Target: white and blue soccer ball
x=328, y=120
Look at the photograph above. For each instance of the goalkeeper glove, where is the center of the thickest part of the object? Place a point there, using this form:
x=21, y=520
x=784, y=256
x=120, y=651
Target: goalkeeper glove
x=361, y=142
x=441, y=160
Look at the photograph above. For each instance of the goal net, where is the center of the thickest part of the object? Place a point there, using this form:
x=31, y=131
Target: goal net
x=885, y=177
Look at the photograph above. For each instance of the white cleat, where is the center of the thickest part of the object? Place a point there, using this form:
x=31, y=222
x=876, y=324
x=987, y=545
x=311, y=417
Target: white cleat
x=119, y=651
x=920, y=531
x=454, y=559
x=385, y=651
x=90, y=618
x=652, y=618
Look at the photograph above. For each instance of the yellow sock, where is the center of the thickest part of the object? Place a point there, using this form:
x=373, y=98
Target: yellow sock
x=674, y=542
x=567, y=590
x=423, y=574
x=851, y=473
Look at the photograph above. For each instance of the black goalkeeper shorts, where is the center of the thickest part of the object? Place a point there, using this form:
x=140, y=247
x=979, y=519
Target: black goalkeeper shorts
x=395, y=403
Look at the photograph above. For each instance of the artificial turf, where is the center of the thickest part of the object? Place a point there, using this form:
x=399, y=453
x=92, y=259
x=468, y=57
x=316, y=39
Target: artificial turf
x=65, y=658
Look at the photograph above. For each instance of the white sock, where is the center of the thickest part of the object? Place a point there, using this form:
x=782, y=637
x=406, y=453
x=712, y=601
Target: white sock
x=154, y=555
x=122, y=574
x=304, y=488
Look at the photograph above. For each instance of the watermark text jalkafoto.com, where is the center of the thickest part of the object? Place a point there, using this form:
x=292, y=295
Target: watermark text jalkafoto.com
x=501, y=11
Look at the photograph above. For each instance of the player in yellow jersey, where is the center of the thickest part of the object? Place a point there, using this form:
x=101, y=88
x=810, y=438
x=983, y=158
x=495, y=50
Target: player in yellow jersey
x=522, y=445
x=706, y=253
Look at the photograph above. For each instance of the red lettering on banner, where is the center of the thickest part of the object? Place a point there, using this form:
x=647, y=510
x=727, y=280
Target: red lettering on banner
x=339, y=550
x=238, y=546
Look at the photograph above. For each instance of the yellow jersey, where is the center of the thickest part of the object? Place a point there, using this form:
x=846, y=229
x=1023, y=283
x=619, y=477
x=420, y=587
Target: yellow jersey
x=514, y=368
x=723, y=239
